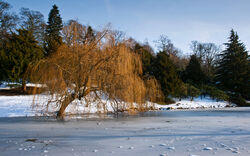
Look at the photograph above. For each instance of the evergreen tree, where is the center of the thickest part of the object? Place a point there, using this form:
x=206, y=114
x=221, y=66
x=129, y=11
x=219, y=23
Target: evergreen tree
x=233, y=71
x=21, y=50
x=53, y=31
x=89, y=36
x=8, y=23
x=146, y=57
x=193, y=73
x=164, y=71
x=3, y=63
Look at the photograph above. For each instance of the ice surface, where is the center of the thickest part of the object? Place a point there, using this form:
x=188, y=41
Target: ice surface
x=208, y=148
x=226, y=131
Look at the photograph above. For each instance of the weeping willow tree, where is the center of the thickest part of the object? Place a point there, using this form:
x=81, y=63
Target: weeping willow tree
x=89, y=70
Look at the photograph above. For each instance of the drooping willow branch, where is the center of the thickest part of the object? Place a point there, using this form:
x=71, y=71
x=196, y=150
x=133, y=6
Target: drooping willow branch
x=91, y=71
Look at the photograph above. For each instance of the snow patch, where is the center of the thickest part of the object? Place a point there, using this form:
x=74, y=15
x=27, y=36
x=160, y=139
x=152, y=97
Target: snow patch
x=206, y=102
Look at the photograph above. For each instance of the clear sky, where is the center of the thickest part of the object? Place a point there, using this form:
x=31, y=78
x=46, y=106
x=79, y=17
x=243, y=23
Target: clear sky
x=181, y=20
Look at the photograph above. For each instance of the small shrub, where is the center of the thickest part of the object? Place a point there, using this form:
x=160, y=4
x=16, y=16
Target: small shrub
x=238, y=100
x=192, y=91
x=169, y=101
x=214, y=93
x=181, y=91
x=217, y=94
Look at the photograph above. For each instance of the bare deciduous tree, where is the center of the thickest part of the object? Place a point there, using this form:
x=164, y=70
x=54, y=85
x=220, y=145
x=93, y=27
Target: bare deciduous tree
x=34, y=22
x=207, y=53
x=73, y=32
x=175, y=54
x=165, y=44
x=8, y=20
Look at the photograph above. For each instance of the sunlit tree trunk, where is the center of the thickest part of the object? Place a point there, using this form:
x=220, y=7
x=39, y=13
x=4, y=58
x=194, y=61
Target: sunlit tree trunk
x=68, y=99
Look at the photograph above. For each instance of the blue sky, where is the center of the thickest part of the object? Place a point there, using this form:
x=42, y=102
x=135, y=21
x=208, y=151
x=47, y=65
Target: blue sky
x=181, y=20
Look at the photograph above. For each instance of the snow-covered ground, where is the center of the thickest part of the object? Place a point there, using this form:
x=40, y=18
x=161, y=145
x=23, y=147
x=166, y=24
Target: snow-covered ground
x=24, y=105
x=5, y=85
x=13, y=106
x=220, y=132
x=204, y=102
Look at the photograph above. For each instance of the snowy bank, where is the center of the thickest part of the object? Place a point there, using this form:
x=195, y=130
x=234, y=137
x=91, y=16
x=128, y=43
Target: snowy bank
x=13, y=106
x=28, y=105
x=205, y=102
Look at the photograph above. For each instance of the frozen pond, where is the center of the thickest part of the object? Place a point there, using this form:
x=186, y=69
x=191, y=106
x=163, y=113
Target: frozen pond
x=172, y=133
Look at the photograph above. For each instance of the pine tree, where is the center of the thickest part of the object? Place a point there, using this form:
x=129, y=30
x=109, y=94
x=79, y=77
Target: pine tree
x=233, y=71
x=53, y=31
x=193, y=73
x=21, y=50
x=164, y=71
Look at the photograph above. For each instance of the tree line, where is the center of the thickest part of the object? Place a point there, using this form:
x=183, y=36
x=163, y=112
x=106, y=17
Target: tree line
x=75, y=60
x=25, y=39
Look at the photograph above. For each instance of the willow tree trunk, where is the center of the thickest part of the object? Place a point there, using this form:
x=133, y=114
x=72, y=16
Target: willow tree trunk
x=68, y=99
x=24, y=88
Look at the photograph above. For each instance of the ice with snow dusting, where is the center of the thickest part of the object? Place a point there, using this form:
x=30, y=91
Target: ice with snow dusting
x=208, y=148
x=189, y=133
